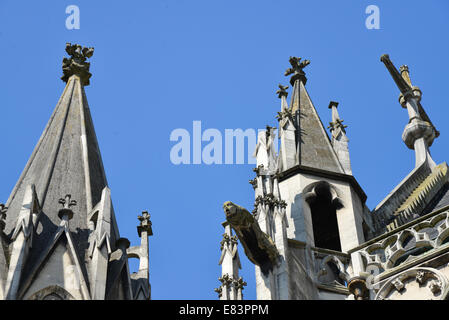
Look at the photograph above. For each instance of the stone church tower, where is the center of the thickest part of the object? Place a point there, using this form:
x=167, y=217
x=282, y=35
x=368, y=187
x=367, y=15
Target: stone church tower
x=311, y=236
x=59, y=235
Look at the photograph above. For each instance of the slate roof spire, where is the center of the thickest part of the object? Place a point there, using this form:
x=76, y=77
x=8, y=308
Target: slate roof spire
x=65, y=161
x=313, y=146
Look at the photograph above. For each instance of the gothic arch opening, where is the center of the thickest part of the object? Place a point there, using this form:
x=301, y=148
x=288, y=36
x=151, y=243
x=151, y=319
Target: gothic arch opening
x=52, y=293
x=324, y=203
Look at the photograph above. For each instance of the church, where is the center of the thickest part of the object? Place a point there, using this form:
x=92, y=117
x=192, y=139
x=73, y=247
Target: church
x=310, y=234
x=59, y=235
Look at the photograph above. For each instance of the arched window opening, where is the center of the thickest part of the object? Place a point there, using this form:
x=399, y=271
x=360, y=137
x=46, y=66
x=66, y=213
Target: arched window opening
x=324, y=217
x=53, y=296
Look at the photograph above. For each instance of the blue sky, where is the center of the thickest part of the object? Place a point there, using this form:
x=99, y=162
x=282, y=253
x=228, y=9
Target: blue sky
x=160, y=65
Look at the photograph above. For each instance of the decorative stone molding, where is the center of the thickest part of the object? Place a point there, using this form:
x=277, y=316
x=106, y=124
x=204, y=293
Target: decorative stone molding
x=66, y=212
x=253, y=182
x=420, y=276
x=413, y=284
x=435, y=286
x=226, y=279
x=239, y=283
x=258, y=170
x=414, y=93
x=324, y=268
x=228, y=241
x=284, y=114
x=397, y=248
x=219, y=290
x=231, y=288
x=417, y=129
x=398, y=284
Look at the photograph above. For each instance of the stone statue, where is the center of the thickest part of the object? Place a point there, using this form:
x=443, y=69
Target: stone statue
x=259, y=247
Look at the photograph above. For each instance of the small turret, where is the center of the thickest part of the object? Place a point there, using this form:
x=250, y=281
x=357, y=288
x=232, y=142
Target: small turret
x=339, y=138
x=231, y=284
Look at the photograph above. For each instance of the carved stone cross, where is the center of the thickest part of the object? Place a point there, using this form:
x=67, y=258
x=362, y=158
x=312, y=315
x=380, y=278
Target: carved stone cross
x=297, y=66
x=296, y=69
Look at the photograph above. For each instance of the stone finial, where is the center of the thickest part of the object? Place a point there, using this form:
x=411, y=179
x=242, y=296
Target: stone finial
x=405, y=74
x=402, y=84
x=297, y=70
x=219, y=290
x=226, y=279
x=76, y=64
x=336, y=123
x=66, y=210
x=282, y=92
x=145, y=224
x=227, y=240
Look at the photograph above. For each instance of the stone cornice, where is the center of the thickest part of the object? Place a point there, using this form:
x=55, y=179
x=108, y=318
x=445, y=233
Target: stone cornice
x=325, y=174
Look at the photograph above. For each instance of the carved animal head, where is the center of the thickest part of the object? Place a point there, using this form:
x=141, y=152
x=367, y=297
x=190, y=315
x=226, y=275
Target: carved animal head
x=236, y=215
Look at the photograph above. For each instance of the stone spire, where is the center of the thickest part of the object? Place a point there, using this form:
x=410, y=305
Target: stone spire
x=419, y=133
x=313, y=147
x=65, y=161
x=231, y=284
x=339, y=138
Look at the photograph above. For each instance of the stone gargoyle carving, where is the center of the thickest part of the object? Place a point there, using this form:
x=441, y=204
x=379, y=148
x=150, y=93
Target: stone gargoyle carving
x=259, y=247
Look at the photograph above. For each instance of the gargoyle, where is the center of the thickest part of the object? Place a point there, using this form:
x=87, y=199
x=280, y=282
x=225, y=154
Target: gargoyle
x=259, y=247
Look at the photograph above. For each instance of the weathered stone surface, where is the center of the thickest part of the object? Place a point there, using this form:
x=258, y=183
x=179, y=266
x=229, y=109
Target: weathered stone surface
x=70, y=252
